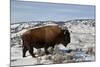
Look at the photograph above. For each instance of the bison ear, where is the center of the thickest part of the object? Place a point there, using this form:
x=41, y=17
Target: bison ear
x=65, y=32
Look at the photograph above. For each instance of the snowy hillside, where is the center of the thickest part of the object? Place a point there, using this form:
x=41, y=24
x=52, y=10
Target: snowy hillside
x=82, y=43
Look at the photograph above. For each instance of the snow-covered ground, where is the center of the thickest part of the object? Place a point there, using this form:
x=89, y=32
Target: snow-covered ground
x=82, y=43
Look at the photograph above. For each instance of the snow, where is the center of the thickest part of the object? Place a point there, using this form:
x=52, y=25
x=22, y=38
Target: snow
x=14, y=26
x=21, y=32
x=82, y=34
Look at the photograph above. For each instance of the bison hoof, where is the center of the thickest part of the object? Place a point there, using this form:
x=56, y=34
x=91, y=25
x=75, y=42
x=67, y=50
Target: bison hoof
x=24, y=56
x=33, y=56
x=47, y=53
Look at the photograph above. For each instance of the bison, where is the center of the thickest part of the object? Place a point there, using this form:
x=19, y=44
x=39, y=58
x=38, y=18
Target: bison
x=44, y=37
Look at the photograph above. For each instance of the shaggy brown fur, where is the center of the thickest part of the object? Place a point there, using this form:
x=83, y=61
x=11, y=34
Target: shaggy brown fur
x=44, y=37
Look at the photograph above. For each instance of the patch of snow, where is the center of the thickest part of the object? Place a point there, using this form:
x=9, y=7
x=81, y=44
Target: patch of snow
x=14, y=26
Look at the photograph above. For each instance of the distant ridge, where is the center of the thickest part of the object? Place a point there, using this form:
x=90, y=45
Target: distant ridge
x=54, y=21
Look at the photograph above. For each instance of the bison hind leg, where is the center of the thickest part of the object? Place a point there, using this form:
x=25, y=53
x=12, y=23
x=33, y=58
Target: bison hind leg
x=24, y=51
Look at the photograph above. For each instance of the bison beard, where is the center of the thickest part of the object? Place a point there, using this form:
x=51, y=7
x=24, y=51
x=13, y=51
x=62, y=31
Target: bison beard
x=44, y=37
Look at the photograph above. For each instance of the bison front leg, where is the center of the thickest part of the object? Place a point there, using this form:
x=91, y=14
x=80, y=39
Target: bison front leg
x=46, y=50
x=52, y=49
x=24, y=51
x=31, y=52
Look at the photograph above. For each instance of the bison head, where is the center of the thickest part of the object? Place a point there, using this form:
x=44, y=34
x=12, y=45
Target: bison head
x=66, y=37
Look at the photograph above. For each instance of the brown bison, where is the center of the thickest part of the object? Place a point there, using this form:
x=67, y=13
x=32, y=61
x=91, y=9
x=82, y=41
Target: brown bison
x=44, y=37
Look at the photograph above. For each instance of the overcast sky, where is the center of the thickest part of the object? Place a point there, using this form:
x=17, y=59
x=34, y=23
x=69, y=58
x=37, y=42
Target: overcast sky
x=22, y=11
